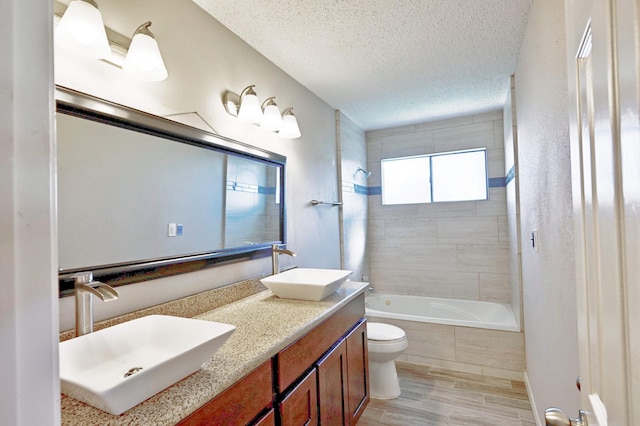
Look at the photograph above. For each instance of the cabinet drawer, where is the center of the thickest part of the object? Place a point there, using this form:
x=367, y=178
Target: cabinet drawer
x=297, y=357
x=240, y=403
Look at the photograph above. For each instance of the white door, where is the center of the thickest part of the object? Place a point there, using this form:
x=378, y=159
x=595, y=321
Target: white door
x=603, y=72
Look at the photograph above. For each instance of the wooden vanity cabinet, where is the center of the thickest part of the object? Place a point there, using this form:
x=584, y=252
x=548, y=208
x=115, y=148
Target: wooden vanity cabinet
x=321, y=378
x=341, y=372
x=240, y=404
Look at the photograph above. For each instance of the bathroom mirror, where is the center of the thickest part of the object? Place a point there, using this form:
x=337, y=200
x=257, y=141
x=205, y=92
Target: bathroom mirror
x=140, y=196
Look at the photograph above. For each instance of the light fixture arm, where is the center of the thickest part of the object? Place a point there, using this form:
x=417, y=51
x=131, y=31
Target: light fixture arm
x=269, y=101
x=144, y=29
x=92, y=3
x=247, y=91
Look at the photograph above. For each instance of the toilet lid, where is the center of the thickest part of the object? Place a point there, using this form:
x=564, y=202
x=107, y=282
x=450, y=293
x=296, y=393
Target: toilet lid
x=380, y=331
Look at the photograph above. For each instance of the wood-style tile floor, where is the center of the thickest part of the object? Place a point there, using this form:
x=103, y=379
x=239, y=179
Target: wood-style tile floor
x=431, y=397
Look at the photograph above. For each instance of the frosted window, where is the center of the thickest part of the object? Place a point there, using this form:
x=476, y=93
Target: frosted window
x=451, y=176
x=406, y=180
x=459, y=177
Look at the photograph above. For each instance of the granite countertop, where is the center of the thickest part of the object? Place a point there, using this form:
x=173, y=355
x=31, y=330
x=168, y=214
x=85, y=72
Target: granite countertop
x=265, y=324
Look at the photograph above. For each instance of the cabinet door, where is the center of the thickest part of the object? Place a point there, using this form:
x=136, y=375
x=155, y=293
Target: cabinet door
x=332, y=387
x=268, y=419
x=358, y=369
x=300, y=406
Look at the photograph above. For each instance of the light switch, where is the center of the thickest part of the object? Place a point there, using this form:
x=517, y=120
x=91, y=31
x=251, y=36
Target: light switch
x=173, y=230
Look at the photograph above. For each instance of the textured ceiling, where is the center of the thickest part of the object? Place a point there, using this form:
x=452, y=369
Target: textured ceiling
x=387, y=63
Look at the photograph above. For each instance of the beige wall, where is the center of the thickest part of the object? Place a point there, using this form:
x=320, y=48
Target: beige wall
x=204, y=60
x=545, y=205
x=457, y=250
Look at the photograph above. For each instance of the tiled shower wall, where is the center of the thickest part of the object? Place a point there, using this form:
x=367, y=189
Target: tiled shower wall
x=352, y=147
x=454, y=249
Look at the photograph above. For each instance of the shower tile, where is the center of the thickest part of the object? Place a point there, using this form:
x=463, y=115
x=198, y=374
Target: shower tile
x=495, y=288
x=491, y=348
x=464, y=137
x=503, y=229
x=426, y=340
x=429, y=257
x=397, y=280
x=498, y=132
x=448, y=209
x=443, y=124
x=387, y=255
x=483, y=258
x=496, y=205
x=374, y=148
x=407, y=144
x=378, y=211
x=495, y=162
x=468, y=230
x=411, y=128
x=407, y=230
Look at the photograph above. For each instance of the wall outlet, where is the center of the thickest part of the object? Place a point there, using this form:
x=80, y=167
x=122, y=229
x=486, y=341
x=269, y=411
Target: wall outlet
x=172, y=230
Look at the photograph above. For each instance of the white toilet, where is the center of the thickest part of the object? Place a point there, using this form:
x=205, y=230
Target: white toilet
x=386, y=343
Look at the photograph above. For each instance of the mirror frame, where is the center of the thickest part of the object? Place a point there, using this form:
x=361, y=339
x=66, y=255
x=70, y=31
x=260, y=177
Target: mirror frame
x=78, y=104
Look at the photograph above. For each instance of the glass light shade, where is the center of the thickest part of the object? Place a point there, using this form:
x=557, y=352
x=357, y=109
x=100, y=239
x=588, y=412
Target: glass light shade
x=271, y=118
x=250, y=110
x=289, y=129
x=81, y=30
x=144, y=60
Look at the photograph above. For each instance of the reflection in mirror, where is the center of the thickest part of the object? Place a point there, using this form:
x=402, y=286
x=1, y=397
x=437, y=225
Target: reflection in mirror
x=140, y=196
x=252, y=211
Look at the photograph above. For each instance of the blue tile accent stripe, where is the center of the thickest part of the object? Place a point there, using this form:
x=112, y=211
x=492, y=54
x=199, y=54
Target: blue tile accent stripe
x=248, y=187
x=498, y=182
x=510, y=175
x=354, y=188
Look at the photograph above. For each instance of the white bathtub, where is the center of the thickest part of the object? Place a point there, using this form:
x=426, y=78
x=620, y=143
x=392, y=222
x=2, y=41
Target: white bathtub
x=465, y=313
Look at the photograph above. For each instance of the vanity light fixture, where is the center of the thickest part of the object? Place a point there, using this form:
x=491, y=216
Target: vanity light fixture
x=81, y=29
x=144, y=60
x=249, y=110
x=289, y=129
x=271, y=118
x=246, y=107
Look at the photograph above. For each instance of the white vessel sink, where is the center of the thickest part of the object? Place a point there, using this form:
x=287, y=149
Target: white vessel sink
x=118, y=367
x=306, y=283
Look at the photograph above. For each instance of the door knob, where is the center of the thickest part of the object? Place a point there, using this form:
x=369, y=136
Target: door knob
x=557, y=417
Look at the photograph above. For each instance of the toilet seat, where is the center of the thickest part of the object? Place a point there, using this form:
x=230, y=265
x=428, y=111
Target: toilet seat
x=380, y=332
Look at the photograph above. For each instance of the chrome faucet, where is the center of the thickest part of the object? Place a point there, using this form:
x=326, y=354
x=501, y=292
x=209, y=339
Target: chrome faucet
x=277, y=249
x=85, y=288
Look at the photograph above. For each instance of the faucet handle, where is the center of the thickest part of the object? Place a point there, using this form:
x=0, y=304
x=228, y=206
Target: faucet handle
x=83, y=277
